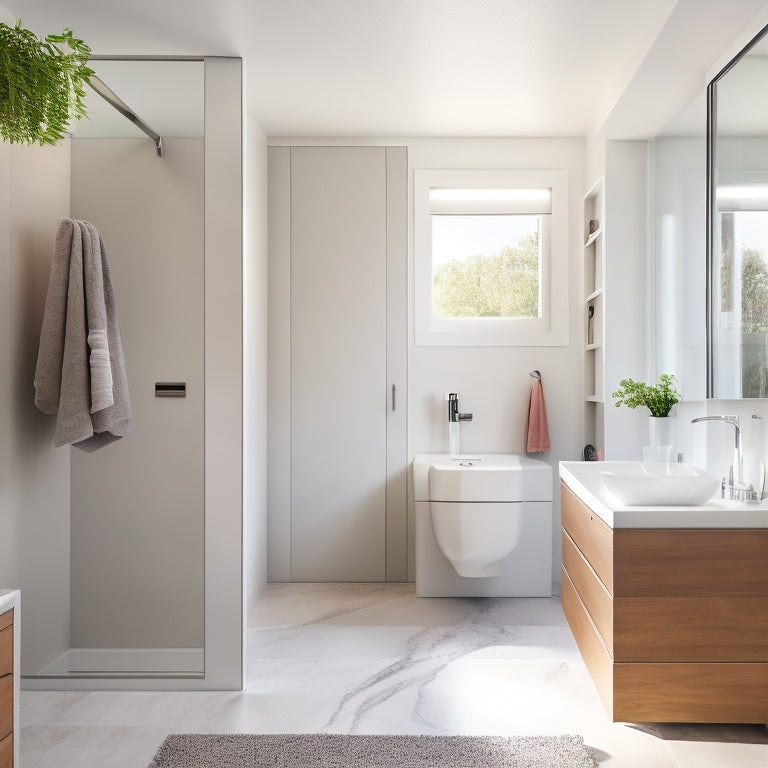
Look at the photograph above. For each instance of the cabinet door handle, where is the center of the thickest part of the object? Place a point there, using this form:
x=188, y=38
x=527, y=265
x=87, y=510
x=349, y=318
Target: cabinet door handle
x=394, y=390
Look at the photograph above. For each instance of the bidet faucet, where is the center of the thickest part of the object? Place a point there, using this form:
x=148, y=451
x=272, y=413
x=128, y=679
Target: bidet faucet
x=453, y=409
x=736, y=485
x=454, y=420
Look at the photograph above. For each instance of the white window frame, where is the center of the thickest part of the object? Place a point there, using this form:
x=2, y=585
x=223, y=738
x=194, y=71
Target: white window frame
x=551, y=329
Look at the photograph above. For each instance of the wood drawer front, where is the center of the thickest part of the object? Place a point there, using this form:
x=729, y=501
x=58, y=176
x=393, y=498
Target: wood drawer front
x=590, y=534
x=591, y=647
x=6, y=619
x=6, y=705
x=672, y=562
x=6, y=752
x=716, y=629
x=691, y=693
x=6, y=651
x=596, y=598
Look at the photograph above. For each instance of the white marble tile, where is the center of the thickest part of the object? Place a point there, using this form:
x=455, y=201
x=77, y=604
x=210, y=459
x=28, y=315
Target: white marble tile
x=373, y=658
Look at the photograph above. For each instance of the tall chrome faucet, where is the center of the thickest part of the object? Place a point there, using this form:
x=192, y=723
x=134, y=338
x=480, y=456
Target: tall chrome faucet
x=454, y=420
x=736, y=487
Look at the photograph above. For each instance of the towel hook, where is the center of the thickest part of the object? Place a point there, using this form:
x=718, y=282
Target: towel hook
x=536, y=375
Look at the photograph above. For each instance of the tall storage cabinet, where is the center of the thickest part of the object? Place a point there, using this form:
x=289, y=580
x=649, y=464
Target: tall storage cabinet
x=594, y=316
x=338, y=356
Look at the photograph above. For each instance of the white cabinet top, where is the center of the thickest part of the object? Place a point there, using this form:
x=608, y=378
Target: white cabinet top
x=584, y=479
x=9, y=598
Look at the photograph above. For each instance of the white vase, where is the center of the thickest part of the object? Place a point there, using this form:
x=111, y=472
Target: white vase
x=661, y=430
x=661, y=440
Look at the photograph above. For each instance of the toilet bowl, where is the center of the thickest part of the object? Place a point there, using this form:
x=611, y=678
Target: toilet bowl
x=476, y=510
x=483, y=525
x=476, y=536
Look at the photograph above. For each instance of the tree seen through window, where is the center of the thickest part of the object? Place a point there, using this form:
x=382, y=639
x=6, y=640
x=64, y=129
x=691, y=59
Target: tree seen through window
x=504, y=282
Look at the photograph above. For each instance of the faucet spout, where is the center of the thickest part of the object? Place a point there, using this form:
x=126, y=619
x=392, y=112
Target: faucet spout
x=454, y=420
x=738, y=456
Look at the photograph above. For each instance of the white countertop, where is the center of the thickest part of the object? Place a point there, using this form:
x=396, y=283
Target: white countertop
x=8, y=599
x=583, y=478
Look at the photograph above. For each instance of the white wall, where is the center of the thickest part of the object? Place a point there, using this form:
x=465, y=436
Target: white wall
x=137, y=504
x=494, y=382
x=626, y=291
x=255, y=363
x=34, y=476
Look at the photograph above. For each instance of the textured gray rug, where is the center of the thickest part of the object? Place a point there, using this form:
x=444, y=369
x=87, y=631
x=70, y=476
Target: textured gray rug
x=340, y=751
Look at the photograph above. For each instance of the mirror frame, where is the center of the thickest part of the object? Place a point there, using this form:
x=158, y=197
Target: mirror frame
x=711, y=196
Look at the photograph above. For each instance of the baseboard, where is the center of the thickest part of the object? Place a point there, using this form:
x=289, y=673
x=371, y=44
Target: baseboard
x=153, y=661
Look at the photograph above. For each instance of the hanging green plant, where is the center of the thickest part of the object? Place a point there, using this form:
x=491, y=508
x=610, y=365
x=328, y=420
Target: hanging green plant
x=41, y=84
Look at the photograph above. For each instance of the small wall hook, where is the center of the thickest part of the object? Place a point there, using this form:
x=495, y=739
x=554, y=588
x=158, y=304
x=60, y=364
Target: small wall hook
x=536, y=375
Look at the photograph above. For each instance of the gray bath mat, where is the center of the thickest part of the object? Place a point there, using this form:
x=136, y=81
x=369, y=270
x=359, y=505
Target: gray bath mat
x=341, y=751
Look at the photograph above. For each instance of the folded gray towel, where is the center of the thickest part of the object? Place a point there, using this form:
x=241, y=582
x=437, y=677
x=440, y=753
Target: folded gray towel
x=80, y=372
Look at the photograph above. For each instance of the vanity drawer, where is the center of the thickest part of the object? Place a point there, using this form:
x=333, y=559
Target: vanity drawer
x=6, y=651
x=6, y=752
x=596, y=598
x=715, y=628
x=690, y=562
x=590, y=534
x=6, y=705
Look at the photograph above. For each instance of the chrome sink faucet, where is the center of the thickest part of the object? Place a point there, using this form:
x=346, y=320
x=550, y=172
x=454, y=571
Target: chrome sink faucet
x=737, y=489
x=454, y=420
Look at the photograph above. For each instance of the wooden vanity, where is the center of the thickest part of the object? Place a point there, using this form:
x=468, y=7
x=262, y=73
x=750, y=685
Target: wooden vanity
x=672, y=622
x=9, y=680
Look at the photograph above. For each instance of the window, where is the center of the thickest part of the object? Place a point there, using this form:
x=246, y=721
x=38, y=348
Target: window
x=491, y=258
x=740, y=316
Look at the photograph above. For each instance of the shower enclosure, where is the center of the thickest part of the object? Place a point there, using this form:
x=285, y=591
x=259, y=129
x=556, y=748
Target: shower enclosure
x=144, y=532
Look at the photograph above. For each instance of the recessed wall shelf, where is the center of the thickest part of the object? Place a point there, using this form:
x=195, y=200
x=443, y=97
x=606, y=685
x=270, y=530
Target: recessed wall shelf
x=594, y=295
x=591, y=239
x=594, y=315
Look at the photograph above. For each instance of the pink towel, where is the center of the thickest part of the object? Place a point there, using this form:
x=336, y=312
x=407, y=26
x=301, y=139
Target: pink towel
x=537, y=437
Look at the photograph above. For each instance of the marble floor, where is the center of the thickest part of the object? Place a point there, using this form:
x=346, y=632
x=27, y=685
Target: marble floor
x=374, y=658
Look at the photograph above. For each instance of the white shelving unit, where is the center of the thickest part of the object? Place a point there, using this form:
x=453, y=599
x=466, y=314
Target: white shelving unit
x=594, y=315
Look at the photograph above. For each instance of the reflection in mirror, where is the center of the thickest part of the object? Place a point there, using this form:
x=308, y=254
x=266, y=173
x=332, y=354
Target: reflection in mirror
x=678, y=227
x=737, y=231
x=137, y=516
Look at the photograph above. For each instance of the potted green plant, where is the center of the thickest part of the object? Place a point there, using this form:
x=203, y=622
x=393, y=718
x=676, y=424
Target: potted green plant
x=41, y=84
x=658, y=399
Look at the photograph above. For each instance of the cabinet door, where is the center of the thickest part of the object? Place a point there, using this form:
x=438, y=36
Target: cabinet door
x=338, y=363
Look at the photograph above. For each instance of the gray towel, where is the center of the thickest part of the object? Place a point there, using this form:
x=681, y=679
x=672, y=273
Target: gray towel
x=80, y=371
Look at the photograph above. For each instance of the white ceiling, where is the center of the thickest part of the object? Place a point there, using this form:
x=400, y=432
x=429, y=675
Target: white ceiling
x=389, y=68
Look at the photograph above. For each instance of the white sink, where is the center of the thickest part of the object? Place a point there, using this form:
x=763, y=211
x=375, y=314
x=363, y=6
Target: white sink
x=660, y=485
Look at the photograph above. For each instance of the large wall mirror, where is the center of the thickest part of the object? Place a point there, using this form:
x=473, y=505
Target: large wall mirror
x=737, y=226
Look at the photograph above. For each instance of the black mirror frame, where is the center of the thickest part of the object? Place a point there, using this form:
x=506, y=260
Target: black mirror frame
x=711, y=196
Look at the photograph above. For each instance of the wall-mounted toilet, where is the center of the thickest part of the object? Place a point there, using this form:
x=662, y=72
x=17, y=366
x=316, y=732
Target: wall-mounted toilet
x=483, y=526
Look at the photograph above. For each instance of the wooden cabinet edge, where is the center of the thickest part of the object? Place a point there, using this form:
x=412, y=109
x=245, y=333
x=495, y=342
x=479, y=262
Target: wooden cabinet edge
x=591, y=647
x=592, y=592
x=6, y=751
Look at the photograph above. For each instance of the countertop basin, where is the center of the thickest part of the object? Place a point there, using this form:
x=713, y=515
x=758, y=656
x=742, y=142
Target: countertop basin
x=585, y=479
x=660, y=485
